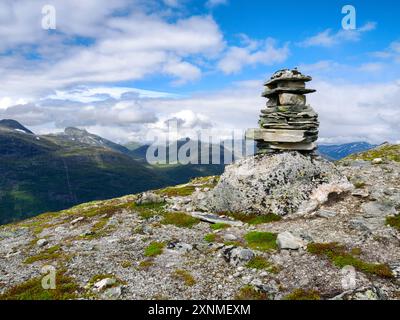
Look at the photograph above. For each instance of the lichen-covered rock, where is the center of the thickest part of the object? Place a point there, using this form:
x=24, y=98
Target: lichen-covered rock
x=276, y=183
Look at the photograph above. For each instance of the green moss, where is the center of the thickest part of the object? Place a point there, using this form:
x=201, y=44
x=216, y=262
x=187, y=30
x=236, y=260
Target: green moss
x=154, y=249
x=386, y=152
x=250, y=293
x=149, y=210
x=99, y=229
x=219, y=226
x=359, y=184
x=233, y=243
x=184, y=276
x=394, y=222
x=254, y=219
x=66, y=289
x=263, y=241
x=301, y=294
x=261, y=263
x=145, y=264
x=211, y=237
x=179, y=219
x=178, y=191
x=101, y=209
x=206, y=182
x=126, y=264
x=340, y=257
x=52, y=253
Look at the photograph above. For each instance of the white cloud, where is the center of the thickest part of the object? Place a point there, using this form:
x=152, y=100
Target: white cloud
x=372, y=67
x=6, y=102
x=86, y=94
x=348, y=112
x=264, y=52
x=215, y=3
x=124, y=48
x=327, y=38
x=392, y=52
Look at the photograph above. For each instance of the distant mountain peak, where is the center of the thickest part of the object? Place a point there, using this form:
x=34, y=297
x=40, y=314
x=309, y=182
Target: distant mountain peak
x=72, y=131
x=14, y=125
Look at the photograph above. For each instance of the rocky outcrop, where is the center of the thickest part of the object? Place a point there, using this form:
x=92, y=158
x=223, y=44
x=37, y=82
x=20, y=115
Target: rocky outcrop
x=279, y=183
x=133, y=248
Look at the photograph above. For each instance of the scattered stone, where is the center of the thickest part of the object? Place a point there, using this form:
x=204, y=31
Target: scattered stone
x=377, y=161
x=149, y=197
x=286, y=240
x=363, y=293
x=374, y=216
x=395, y=267
x=237, y=256
x=113, y=293
x=362, y=193
x=182, y=247
x=42, y=242
x=104, y=283
x=326, y=214
x=213, y=218
x=230, y=237
x=77, y=220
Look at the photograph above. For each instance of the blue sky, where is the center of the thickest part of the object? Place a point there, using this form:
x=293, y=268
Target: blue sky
x=200, y=61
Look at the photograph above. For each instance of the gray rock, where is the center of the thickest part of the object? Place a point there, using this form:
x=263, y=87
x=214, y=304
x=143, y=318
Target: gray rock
x=149, y=197
x=276, y=135
x=286, y=240
x=179, y=246
x=363, y=293
x=212, y=218
x=277, y=183
x=230, y=237
x=326, y=214
x=362, y=193
x=42, y=242
x=113, y=293
x=77, y=220
x=395, y=267
x=292, y=99
x=374, y=216
x=377, y=209
x=377, y=161
x=237, y=256
x=104, y=283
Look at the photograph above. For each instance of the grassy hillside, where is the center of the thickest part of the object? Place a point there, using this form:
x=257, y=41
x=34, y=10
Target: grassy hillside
x=388, y=152
x=53, y=172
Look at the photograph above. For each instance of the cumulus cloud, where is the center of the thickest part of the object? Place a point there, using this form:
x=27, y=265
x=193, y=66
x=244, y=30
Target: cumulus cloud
x=348, y=112
x=328, y=38
x=95, y=44
x=253, y=52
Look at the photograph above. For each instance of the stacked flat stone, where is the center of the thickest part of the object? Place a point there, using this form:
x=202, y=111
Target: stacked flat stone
x=286, y=123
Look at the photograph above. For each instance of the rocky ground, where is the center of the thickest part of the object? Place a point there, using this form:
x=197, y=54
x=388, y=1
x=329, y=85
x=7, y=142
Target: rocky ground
x=155, y=246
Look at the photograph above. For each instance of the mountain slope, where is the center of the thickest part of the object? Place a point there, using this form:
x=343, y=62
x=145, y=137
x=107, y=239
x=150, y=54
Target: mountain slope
x=56, y=171
x=339, y=151
x=13, y=125
x=78, y=136
x=37, y=174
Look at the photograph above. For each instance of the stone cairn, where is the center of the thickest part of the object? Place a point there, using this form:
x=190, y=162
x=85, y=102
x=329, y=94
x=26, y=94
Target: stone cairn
x=286, y=123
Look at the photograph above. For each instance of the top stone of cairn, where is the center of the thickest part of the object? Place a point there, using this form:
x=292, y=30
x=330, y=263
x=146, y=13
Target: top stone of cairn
x=287, y=81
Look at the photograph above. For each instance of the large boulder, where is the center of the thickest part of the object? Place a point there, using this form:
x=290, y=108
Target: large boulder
x=277, y=183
